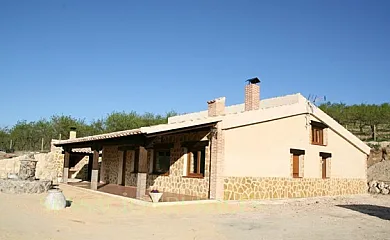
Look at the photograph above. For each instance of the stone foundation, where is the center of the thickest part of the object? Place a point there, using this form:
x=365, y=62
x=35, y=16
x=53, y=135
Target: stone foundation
x=16, y=186
x=245, y=188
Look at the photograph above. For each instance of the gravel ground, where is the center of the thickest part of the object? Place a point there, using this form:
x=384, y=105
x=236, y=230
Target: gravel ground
x=96, y=216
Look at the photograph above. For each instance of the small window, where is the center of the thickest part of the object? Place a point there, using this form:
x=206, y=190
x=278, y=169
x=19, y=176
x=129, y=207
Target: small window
x=162, y=159
x=196, y=162
x=317, y=133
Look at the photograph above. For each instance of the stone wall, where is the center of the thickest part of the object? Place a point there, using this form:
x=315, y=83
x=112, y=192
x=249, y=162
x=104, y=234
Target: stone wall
x=49, y=166
x=110, y=163
x=130, y=178
x=244, y=188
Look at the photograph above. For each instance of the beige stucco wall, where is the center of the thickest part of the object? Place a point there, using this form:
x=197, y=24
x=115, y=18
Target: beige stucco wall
x=263, y=150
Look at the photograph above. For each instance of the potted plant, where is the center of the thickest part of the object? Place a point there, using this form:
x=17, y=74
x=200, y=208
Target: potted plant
x=155, y=195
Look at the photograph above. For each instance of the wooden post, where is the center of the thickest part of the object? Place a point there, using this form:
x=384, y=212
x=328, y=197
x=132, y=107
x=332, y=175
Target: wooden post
x=66, y=166
x=95, y=169
x=142, y=171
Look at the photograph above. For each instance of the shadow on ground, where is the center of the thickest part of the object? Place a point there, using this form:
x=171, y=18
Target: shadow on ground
x=372, y=210
x=68, y=203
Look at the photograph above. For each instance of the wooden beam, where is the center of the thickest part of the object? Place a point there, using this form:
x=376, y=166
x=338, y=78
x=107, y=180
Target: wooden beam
x=95, y=169
x=142, y=160
x=65, y=174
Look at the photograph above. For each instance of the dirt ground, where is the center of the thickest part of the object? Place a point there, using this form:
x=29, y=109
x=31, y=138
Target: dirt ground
x=96, y=216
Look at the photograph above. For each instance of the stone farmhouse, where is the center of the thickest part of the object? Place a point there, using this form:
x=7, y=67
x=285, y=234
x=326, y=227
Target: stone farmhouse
x=283, y=147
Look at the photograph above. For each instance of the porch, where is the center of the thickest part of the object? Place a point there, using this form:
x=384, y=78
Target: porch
x=131, y=192
x=177, y=159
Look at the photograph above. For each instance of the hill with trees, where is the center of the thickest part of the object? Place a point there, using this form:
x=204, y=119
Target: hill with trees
x=370, y=122
x=37, y=135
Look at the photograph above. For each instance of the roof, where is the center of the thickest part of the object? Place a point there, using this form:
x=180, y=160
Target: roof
x=101, y=136
x=82, y=150
x=144, y=130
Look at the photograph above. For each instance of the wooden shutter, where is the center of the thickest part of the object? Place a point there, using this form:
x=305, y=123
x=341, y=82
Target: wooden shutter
x=328, y=167
x=295, y=166
x=301, y=160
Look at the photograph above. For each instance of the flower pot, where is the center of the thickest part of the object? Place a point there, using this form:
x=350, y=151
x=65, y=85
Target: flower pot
x=155, y=196
x=55, y=199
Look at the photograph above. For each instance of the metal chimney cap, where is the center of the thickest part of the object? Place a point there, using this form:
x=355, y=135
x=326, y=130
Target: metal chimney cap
x=254, y=80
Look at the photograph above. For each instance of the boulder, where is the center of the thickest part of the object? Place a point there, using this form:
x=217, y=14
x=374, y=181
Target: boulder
x=385, y=191
x=374, y=190
x=372, y=183
x=381, y=185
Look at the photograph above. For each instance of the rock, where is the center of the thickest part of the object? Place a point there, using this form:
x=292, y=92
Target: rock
x=372, y=183
x=385, y=191
x=381, y=185
x=374, y=190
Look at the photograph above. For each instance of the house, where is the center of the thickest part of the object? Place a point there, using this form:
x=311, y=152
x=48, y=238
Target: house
x=283, y=147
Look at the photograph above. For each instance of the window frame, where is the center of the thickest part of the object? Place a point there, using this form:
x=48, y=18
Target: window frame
x=155, y=154
x=190, y=154
x=325, y=158
x=317, y=133
x=300, y=154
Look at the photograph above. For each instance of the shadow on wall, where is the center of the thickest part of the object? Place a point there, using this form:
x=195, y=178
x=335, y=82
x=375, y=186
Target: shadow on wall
x=372, y=210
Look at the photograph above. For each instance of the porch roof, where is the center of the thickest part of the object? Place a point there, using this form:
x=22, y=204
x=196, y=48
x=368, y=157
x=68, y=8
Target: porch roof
x=145, y=131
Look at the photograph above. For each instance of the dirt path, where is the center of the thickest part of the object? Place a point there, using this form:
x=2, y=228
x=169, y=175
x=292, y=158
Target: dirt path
x=95, y=216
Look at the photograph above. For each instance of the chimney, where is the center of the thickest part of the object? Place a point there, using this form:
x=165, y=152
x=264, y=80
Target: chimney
x=216, y=107
x=252, y=94
x=72, y=133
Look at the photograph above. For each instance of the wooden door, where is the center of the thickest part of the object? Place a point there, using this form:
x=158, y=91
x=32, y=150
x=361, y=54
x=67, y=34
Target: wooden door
x=323, y=167
x=295, y=166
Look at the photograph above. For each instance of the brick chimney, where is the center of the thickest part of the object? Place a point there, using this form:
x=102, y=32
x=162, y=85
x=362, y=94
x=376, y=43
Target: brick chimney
x=252, y=94
x=72, y=133
x=216, y=107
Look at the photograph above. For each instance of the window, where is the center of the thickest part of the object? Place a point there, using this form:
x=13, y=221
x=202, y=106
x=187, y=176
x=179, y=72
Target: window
x=162, y=161
x=297, y=162
x=317, y=133
x=196, y=162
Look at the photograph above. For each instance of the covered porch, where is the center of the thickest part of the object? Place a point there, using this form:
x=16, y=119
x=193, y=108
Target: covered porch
x=161, y=157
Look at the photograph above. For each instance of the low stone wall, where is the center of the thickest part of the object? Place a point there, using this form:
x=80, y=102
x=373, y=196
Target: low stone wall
x=16, y=186
x=245, y=188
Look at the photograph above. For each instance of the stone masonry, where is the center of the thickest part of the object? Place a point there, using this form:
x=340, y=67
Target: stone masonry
x=110, y=164
x=245, y=188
